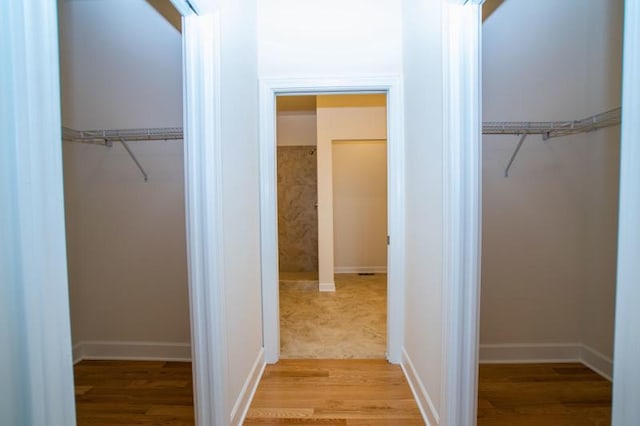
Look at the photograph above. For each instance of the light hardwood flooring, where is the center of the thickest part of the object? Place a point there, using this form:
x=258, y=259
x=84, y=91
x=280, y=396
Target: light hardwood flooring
x=340, y=392
x=333, y=392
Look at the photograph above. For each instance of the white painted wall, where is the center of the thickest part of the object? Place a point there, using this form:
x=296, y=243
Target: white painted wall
x=126, y=238
x=360, y=205
x=241, y=221
x=422, y=49
x=328, y=38
x=549, y=230
x=339, y=118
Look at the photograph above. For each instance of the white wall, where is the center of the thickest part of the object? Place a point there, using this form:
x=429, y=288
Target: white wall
x=241, y=221
x=360, y=205
x=340, y=117
x=422, y=48
x=126, y=238
x=328, y=38
x=548, y=266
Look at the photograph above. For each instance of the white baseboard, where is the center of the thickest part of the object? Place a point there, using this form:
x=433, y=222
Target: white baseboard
x=360, y=269
x=598, y=362
x=142, y=351
x=241, y=407
x=547, y=352
x=529, y=352
x=327, y=287
x=425, y=404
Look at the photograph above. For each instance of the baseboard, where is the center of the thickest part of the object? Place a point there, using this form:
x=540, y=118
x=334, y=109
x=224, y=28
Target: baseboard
x=327, y=287
x=530, y=352
x=143, y=351
x=547, y=352
x=425, y=404
x=360, y=270
x=598, y=362
x=241, y=407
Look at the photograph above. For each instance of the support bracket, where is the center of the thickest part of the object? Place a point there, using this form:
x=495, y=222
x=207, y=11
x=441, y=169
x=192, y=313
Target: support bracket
x=133, y=157
x=515, y=153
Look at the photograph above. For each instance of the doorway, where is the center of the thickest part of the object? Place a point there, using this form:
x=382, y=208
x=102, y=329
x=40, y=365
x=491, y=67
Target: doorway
x=269, y=214
x=332, y=225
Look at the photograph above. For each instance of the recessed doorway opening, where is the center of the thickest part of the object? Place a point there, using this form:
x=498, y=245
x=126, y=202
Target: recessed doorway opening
x=332, y=225
x=291, y=291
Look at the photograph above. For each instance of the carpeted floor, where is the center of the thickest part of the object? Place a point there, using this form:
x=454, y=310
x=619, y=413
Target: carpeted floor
x=348, y=323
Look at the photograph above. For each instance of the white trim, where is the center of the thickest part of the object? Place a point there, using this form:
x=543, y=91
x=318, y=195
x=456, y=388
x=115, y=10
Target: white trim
x=203, y=183
x=626, y=409
x=31, y=132
x=328, y=287
x=184, y=7
x=425, y=404
x=462, y=223
x=141, y=351
x=269, y=88
x=241, y=407
x=530, y=352
x=597, y=361
x=360, y=270
x=518, y=353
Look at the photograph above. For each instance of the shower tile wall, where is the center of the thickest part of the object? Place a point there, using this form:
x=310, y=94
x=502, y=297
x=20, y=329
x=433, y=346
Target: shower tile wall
x=297, y=212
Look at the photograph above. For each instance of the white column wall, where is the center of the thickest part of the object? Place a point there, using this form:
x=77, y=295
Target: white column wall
x=241, y=199
x=423, y=84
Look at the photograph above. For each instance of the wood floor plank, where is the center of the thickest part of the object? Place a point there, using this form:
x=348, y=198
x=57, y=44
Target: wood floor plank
x=341, y=393
x=134, y=393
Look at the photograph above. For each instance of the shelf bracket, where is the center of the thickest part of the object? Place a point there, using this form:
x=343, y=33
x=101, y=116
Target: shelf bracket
x=515, y=153
x=133, y=157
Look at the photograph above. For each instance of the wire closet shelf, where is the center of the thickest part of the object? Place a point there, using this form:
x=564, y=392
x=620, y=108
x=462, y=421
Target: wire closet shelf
x=547, y=129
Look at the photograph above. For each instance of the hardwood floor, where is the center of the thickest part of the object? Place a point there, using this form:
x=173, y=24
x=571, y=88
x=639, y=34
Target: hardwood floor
x=542, y=394
x=134, y=393
x=333, y=392
x=340, y=392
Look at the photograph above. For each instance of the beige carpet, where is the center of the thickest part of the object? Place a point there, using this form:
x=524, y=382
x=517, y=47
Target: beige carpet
x=350, y=323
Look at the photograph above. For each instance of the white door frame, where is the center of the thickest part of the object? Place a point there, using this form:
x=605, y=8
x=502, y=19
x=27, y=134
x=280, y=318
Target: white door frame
x=626, y=371
x=269, y=89
x=462, y=23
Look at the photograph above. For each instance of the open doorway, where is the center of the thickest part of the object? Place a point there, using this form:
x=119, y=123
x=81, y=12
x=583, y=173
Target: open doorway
x=124, y=187
x=386, y=127
x=332, y=225
x=550, y=208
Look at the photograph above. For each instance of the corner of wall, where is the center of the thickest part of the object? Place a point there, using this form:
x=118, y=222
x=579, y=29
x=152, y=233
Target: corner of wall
x=423, y=399
x=243, y=402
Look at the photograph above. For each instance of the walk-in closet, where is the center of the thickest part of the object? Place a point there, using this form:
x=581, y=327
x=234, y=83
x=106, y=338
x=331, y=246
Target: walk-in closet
x=551, y=112
x=121, y=87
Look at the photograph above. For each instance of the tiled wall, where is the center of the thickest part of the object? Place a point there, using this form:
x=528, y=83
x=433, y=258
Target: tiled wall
x=297, y=212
